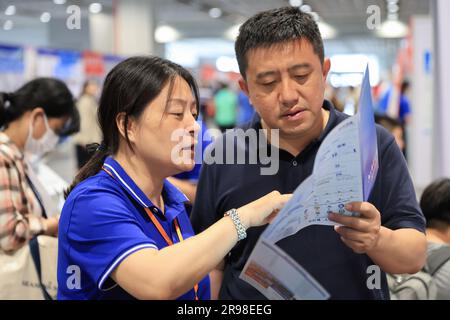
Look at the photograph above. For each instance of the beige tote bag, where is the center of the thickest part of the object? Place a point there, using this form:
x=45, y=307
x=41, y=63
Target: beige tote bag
x=19, y=279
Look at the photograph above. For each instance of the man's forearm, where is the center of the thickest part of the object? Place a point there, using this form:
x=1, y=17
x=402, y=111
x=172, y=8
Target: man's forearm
x=399, y=251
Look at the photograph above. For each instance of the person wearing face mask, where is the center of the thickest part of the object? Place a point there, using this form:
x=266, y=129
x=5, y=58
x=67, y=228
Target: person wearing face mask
x=31, y=119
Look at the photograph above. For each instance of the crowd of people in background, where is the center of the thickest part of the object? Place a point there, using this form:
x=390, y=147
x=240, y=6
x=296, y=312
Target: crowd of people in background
x=224, y=107
x=42, y=113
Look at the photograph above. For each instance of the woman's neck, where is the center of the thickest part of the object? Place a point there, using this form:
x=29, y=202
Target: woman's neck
x=150, y=183
x=16, y=135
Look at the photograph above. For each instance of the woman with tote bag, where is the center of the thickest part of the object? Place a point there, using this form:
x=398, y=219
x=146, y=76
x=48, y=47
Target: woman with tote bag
x=32, y=119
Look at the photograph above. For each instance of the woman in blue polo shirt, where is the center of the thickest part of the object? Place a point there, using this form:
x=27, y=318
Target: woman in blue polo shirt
x=124, y=230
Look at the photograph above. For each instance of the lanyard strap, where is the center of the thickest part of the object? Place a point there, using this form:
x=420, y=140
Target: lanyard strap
x=167, y=238
x=161, y=230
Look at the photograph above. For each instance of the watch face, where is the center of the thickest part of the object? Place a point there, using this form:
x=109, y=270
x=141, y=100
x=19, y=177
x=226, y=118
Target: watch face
x=229, y=212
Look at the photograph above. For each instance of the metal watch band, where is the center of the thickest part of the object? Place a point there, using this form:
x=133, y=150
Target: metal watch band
x=233, y=214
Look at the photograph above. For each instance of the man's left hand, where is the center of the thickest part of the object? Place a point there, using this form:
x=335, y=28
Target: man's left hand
x=361, y=233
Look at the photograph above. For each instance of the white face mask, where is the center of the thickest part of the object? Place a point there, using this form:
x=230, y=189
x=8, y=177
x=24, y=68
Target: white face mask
x=39, y=147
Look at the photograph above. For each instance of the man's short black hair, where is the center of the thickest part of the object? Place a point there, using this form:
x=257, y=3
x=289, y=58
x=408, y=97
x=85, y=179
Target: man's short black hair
x=435, y=204
x=276, y=26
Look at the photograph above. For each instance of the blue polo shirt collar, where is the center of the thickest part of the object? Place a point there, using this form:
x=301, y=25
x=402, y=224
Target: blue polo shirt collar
x=174, y=198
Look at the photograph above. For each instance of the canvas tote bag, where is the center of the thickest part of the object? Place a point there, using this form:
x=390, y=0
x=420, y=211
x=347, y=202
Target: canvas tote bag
x=30, y=272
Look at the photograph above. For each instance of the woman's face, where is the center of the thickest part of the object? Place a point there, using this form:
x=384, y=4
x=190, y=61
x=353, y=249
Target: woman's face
x=38, y=123
x=92, y=89
x=165, y=134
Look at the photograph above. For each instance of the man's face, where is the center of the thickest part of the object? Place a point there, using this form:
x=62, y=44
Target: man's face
x=286, y=84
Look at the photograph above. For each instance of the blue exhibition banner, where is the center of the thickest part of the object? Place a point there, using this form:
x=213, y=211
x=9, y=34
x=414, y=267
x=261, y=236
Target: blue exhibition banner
x=11, y=59
x=66, y=61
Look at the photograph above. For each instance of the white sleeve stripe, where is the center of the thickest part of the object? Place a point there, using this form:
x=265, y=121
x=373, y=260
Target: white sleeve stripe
x=123, y=256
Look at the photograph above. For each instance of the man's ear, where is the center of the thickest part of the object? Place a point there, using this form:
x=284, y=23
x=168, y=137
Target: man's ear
x=326, y=68
x=123, y=120
x=244, y=87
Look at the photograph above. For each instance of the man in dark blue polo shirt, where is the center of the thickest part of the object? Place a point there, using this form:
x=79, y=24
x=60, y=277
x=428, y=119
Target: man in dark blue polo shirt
x=281, y=58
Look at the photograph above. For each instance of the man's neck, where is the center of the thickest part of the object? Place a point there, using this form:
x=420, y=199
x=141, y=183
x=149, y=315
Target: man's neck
x=295, y=145
x=149, y=182
x=437, y=236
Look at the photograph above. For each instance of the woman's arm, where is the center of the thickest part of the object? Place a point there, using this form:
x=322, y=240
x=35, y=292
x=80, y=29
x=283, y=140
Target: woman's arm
x=174, y=270
x=16, y=227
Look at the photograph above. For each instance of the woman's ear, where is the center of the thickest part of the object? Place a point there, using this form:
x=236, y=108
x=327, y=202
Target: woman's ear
x=35, y=119
x=126, y=123
x=35, y=114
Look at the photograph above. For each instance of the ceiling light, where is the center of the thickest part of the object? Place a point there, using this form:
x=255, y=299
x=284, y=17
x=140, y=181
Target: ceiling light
x=165, y=34
x=393, y=7
x=215, y=12
x=8, y=25
x=326, y=31
x=59, y=1
x=10, y=10
x=315, y=16
x=95, y=7
x=306, y=8
x=233, y=32
x=296, y=3
x=392, y=29
x=45, y=17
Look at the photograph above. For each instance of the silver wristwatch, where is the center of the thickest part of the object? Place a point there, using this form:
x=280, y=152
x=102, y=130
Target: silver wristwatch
x=240, y=228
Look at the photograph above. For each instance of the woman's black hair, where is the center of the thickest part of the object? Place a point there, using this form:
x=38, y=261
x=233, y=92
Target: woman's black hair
x=52, y=95
x=129, y=88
